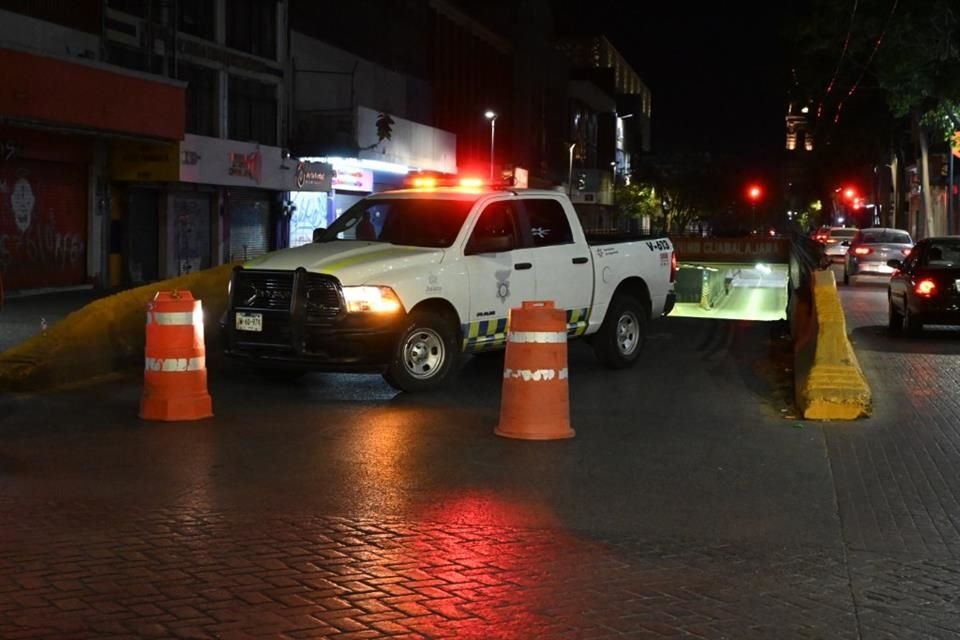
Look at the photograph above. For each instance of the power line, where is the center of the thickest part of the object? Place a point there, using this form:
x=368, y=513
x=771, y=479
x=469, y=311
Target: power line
x=876, y=47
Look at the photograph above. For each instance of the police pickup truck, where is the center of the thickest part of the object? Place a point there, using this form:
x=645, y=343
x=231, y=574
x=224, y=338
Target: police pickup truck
x=405, y=282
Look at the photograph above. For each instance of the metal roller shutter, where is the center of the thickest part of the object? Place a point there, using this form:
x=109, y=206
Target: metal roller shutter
x=249, y=227
x=43, y=224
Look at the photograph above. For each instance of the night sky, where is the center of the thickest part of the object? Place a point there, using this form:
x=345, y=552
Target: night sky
x=718, y=78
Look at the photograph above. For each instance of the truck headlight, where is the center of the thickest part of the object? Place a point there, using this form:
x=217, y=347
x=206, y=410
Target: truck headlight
x=371, y=300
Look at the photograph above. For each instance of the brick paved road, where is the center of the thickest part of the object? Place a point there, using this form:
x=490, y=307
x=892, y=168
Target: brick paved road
x=687, y=506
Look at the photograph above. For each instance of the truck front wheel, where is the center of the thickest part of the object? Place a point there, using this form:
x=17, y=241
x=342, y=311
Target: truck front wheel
x=622, y=335
x=425, y=354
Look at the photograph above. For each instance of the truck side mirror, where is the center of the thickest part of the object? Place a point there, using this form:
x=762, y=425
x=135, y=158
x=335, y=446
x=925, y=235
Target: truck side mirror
x=318, y=234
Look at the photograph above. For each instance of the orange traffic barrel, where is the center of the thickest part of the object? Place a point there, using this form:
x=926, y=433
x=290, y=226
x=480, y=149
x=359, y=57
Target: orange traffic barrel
x=175, y=367
x=535, y=403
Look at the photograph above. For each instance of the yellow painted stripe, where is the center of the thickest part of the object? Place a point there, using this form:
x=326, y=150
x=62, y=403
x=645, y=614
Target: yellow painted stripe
x=374, y=256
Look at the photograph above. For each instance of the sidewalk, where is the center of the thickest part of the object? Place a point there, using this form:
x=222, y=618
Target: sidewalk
x=23, y=316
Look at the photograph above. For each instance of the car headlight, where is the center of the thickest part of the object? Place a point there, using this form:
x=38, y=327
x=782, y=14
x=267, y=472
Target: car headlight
x=371, y=300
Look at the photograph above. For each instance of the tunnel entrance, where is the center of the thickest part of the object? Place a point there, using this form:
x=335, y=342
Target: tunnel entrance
x=732, y=291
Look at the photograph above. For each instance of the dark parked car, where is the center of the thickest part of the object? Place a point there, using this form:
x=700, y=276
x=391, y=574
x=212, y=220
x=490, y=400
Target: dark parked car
x=925, y=288
x=870, y=250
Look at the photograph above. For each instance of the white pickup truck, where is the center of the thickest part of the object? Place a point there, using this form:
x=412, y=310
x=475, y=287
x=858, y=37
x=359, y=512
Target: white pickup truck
x=406, y=281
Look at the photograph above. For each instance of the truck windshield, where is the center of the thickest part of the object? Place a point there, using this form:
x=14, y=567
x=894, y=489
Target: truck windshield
x=409, y=222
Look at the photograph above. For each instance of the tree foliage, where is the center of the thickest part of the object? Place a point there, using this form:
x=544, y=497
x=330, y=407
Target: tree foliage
x=899, y=55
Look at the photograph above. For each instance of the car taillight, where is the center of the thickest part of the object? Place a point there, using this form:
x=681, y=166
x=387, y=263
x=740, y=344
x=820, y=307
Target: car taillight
x=673, y=266
x=863, y=251
x=926, y=288
x=831, y=241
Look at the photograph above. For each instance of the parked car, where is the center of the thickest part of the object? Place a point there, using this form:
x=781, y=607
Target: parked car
x=871, y=249
x=835, y=241
x=925, y=288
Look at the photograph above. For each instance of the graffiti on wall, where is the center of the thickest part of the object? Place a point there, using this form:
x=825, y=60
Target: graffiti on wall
x=36, y=241
x=309, y=214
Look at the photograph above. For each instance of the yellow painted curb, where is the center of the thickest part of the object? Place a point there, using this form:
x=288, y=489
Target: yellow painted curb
x=830, y=384
x=107, y=335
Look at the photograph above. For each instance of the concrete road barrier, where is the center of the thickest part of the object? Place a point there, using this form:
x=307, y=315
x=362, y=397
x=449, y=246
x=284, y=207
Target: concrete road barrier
x=714, y=288
x=829, y=383
x=107, y=335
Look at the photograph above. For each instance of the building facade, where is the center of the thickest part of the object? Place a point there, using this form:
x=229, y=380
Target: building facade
x=173, y=117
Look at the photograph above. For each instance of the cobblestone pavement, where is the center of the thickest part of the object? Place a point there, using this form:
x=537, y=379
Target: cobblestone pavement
x=687, y=505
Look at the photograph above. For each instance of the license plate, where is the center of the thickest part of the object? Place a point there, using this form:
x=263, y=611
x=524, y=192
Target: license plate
x=249, y=321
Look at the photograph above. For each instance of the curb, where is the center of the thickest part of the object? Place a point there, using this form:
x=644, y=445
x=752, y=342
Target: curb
x=829, y=382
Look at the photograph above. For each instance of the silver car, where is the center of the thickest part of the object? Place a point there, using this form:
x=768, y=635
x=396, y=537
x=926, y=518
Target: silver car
x=871, y=249
x=835, y=241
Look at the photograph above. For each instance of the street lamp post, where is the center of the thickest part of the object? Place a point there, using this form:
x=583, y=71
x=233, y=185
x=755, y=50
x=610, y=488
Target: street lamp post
x=492, y=117
x=572, y=146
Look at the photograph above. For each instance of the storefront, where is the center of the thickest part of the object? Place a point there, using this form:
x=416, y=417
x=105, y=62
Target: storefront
x=198, y=203
x=59, y=115
x=311, y=205
x=44, y=181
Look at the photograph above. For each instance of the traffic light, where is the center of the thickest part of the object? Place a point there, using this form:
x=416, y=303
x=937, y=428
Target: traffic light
x=384, y=126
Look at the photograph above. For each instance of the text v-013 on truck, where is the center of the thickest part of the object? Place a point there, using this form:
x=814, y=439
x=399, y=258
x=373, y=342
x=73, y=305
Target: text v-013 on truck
x=405, y=282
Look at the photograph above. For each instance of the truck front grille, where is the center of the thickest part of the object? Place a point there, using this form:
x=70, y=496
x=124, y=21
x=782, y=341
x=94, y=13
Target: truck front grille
x=263, y=290
x=322, y=298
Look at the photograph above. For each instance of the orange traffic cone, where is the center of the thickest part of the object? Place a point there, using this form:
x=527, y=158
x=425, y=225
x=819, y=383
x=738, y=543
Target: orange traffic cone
x=535, y=403
x=175, y=371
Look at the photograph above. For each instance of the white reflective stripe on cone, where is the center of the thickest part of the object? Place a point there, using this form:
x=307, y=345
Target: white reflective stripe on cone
x=535, y=375
x=170, y=317
x=544, y=337
x=175, y=364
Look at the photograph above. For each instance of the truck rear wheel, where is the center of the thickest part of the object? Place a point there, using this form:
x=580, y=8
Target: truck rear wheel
x=623, y=333
x=425, y=354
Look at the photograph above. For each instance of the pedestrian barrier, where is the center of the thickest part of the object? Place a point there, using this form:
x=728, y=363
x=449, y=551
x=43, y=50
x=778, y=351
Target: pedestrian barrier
x=535, y=403
x=175, y=373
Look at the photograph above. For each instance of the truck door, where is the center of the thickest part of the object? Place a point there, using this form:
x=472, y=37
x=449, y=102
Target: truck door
x=564, y=272
x=500, y=272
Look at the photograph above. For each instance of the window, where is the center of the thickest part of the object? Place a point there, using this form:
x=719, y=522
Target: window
x=127, y=57
x=941, y=255
x=201, y=98
x=252, y=27
x=252, y=111
x=495, y=231
x=893, y=236
x=548, y=223
x=400, y=221
x=196, y=18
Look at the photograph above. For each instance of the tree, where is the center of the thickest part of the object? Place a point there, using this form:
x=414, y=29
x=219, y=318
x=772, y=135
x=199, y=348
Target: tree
x=907, y=54
x=688, y=187
x=638, y=201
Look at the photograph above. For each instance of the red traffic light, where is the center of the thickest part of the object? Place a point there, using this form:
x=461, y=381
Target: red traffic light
x=754, y=192
x=849, y=193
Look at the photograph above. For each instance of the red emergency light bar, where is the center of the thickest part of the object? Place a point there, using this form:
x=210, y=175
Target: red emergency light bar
x=429, y=180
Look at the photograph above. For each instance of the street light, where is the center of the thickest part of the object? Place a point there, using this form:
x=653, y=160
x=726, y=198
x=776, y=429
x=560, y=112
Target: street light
x=572, y=145
x=492, y=117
